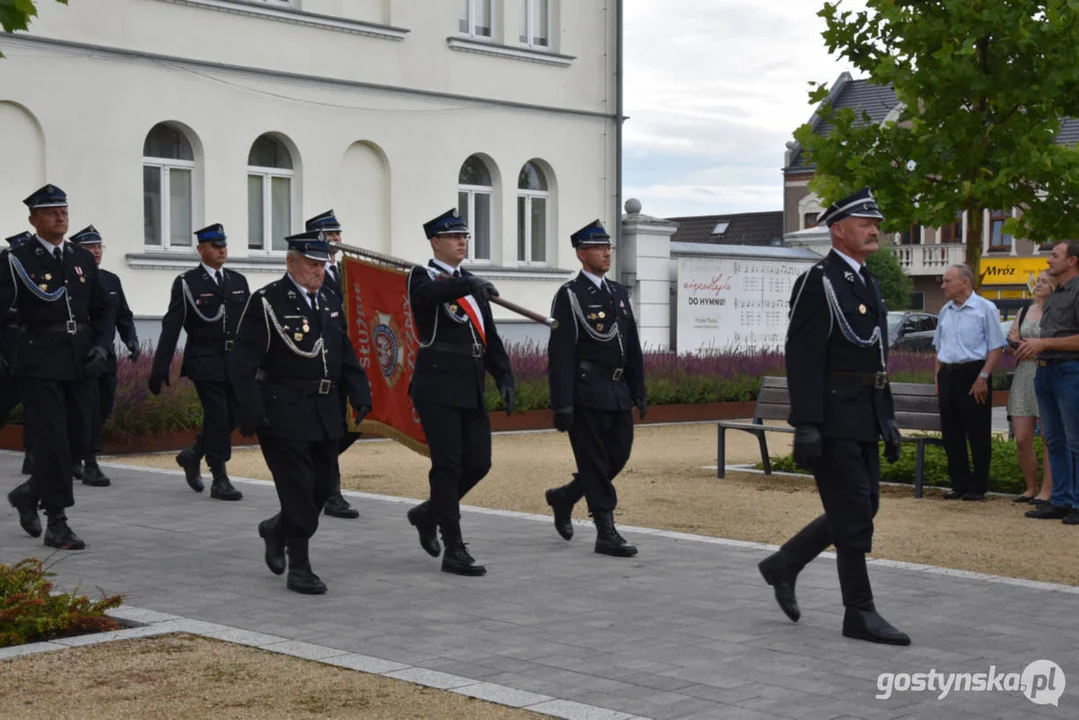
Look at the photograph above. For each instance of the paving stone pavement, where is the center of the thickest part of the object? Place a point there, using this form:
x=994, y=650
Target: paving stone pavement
x=687, y=629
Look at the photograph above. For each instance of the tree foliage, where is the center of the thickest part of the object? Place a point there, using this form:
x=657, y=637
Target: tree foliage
x=983, y=86
x=15, y=15
x=895, y=285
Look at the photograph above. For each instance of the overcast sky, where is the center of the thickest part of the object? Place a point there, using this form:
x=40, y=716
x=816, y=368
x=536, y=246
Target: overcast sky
x=713, y=91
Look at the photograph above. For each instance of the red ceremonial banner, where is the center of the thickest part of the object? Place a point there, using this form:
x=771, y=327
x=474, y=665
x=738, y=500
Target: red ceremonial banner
x=381, y=330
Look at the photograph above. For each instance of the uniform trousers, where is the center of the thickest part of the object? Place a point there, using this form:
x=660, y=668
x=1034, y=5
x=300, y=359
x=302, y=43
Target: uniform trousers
x=57, y=416
x=303, y=473
x=848, y=481
x=601, y=442
x=9, y=396
x=218, y=420
x=962, y=420
x=103, y=392
x=460, y=443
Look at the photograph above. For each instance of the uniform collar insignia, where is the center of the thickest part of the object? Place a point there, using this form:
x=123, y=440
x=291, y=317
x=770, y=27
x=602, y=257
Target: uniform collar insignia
x=848, y=275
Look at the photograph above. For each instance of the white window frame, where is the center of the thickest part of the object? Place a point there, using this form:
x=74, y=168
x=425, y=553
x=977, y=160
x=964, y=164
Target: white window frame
x=529, y=196
x=472, y=14
x=530, y=30
x=164, y=165
x=473, y=191
x=267, y=174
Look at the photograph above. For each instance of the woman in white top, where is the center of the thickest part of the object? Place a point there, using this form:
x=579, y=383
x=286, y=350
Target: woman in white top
x=1022, y=403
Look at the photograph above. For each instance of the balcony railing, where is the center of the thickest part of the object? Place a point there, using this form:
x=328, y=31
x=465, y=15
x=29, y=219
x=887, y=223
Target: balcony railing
x=929, y=259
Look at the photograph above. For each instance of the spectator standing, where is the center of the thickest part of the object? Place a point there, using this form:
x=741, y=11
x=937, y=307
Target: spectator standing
x=969, y=344
x=1023, y=402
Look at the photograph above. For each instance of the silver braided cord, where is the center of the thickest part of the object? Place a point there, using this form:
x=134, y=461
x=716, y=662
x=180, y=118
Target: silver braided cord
x=53, y=296
x=844, y=326
x=191, y=301
x=316, y=350
x=605, y=336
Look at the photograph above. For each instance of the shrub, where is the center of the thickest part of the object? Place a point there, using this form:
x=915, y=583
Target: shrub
x=1005, y=476
x=31, y=612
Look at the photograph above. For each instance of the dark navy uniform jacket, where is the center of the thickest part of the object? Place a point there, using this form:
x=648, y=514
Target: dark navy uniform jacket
x=43, y=348
x=278, y=329
x=817, y=347
x=125, y=319
x=447, y=373
x=208, y=342
x=585, y=314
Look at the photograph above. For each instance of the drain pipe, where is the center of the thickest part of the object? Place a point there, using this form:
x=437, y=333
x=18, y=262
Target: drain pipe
x=618, y=129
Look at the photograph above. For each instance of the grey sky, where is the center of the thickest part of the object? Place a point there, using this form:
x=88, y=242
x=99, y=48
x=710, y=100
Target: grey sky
x=713, y=90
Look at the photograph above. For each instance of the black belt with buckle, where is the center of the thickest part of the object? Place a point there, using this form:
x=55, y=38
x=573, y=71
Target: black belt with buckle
x=878, y=380
x=1056, y=361
x=475, y=350
x=228, y=345
x=969, y=365
x=595, y=368
x=319, y=387
x=70, y=327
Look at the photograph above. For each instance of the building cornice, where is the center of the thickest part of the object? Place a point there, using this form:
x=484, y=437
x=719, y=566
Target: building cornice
x=187, y=260
x=482, y=47
x=13, y=39
x=297, y=17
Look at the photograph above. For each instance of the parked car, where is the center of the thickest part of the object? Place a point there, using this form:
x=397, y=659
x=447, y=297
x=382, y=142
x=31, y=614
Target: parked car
x=904, y=324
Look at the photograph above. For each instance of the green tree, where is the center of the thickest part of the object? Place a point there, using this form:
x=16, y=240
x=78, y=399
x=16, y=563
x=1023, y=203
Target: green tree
x=15, y=15
x=895, y=285
x=983, y=86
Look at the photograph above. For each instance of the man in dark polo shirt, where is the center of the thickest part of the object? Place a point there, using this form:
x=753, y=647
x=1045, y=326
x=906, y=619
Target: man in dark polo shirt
x=1057, y=384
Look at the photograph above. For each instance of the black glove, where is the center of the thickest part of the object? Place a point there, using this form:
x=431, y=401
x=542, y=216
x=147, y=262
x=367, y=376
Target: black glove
x=563, y=421
x=509, y=398
x=361, y=412
x=807, y=446
x=96, y=360
x=249, y=424
x=133, y=348
x=642, y=406
x=481, y=289
x=156, y=381
x=892, y=446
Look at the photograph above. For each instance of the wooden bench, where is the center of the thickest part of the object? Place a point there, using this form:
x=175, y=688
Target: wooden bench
x=915, y=409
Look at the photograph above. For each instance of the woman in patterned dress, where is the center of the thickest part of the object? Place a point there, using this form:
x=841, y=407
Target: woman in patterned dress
x=1023, y=404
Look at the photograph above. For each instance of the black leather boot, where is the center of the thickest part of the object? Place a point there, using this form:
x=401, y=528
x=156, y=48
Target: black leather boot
x=272, y=534
x=301, y=579
x=563, y=511
x=336, y=505
x=76, y=469
x=58, y=534
x=780, y=569
x=456, y=558
x=421, y=518
x=221, y=488
x=608, y=541
x=190, y=459
x=25, y=500
x=861, y=621
x=92, y=475
x=28, y=463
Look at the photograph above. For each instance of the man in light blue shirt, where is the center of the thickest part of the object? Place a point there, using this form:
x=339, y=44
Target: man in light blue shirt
x=969, y=344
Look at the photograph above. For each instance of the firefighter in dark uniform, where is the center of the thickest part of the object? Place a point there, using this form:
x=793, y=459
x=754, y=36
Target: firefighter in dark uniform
x=291, y=361
x=841, y=404
x=206, y=302
x=459, y=344
x=9, y=340
x=336, y=505
x=596, y=374
x=65, y=330
x=105, y=388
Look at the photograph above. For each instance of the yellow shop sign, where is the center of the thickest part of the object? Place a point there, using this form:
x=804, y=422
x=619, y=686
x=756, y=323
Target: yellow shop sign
x=1012, y=270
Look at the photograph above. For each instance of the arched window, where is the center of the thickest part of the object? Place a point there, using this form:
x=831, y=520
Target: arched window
x=475, y=190
x=168, y=169
x=269, y=194
x=532, y=206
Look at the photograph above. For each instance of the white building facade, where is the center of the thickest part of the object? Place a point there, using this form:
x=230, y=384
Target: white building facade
x=159, y=117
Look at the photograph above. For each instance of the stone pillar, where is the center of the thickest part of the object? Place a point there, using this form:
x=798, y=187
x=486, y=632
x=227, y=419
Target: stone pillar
x=644, y=260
